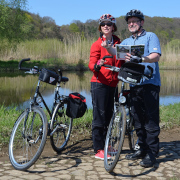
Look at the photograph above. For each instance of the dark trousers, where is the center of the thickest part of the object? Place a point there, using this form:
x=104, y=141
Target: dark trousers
x=103, y=106
x=145, y=111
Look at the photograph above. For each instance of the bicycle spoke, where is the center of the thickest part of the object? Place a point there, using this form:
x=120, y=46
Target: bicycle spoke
x=115, y=139
x=28, y=139
x=61, y=129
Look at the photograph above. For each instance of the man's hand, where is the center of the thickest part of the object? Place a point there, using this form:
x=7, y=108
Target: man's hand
x=135, y=59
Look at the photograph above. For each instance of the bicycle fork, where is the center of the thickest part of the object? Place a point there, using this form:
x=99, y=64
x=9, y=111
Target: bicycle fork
x=28, y=135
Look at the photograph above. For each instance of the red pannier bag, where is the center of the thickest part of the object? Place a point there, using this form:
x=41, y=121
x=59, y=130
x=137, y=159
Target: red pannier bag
x=76, y=106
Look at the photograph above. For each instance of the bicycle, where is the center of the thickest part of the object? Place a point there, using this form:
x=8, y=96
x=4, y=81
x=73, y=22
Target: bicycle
x=121, y=124
x=31, y=129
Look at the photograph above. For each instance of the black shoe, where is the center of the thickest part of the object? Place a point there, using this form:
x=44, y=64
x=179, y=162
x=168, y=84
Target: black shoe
x=139, y=154
x=148, y=161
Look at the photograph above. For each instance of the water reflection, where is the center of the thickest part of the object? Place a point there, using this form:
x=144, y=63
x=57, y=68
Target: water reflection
x=18, y=88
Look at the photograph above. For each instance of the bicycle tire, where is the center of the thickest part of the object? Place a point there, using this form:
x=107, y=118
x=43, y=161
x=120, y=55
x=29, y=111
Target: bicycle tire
x=115, y=138
x=132, y=137
x=28, y=138
x=61, y=126
x=130, y=133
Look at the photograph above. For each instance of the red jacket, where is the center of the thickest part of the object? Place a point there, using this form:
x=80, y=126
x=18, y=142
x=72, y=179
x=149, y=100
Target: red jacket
x=104, y=76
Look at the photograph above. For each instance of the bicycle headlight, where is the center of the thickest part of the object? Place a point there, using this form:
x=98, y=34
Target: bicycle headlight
x=122, y=99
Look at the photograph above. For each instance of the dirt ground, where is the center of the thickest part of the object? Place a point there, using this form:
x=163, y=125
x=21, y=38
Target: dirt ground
x=81, y=140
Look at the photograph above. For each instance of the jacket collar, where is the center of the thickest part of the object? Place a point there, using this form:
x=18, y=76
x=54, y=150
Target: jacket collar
x=142, y=34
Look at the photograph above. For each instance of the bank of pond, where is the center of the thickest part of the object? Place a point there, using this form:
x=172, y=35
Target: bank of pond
x=169, y=118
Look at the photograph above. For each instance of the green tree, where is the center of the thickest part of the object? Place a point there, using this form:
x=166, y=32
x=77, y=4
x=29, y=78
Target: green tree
x=73, y=27
x=13, y=21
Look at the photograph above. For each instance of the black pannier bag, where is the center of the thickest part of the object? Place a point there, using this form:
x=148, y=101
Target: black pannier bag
x=131, y=72
x=76, y=106
x=48, y=76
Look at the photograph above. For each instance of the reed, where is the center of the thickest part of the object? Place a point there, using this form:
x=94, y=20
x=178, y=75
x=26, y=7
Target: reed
x=170, y=55
x=73, y=48
x=69, y=51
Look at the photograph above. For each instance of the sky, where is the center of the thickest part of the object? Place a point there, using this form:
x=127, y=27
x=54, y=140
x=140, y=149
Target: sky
x=64, y=12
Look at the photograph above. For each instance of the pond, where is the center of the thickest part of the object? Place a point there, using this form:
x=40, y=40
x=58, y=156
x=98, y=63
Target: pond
x=16, y=89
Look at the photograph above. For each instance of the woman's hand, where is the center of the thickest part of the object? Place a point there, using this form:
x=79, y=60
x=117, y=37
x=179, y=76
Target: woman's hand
x=106, y=44
x=100, y=62
x=111, y=49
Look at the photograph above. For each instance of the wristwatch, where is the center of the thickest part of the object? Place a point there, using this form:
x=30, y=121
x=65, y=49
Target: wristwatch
x=143, y=59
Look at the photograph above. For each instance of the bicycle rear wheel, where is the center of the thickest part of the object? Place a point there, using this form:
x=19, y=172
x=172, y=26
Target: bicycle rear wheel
x=132, y=137
x=28, y=138
x=61, y=127
x=114, y=139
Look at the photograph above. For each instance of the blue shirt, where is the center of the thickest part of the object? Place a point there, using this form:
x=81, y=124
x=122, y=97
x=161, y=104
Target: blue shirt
x=152, y=45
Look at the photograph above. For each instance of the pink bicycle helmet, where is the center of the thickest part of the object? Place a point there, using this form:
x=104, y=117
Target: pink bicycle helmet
x=107, y=17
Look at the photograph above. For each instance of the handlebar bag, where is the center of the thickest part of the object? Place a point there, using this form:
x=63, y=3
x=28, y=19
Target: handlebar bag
x=76, y=106
x=131, y=72
x=48, y=76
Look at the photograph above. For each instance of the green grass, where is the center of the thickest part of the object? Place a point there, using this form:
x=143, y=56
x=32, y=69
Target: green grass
x=7, y=120
x=169, y=116
x=12, y=65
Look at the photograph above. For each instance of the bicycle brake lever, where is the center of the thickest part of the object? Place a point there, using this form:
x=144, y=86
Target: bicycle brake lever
x=109, y=69
x=32, y=71
x=116, y=69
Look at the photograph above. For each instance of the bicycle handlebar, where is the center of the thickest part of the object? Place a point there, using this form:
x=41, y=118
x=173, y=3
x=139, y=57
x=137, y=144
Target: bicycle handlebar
x=35, y=70
x=112, y=68
x=24, y=68
x=116, y=69
x=107, y=65
x=107, y=57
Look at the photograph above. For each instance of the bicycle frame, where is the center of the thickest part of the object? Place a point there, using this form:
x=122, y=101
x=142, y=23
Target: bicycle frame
x=37, y=93
x=32, y=127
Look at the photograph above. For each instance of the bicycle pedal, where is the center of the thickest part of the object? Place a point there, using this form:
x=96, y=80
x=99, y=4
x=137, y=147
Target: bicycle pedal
x=63, y=126
x=31, y=141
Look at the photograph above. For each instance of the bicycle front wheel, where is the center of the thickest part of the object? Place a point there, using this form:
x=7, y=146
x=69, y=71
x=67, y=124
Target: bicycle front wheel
x=114, y=139
x=28, y=138
x=61, y=126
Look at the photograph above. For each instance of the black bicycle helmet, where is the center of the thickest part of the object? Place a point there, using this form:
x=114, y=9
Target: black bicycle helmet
x=134, y=13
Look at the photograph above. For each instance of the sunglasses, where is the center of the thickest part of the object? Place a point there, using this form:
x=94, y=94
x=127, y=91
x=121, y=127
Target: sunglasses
x=134, y=22
x=107, y=24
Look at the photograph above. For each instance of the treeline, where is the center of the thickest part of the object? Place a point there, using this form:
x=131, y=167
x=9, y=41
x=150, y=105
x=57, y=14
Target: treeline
x=167, y=29
x=24, y=34
x=17, y=24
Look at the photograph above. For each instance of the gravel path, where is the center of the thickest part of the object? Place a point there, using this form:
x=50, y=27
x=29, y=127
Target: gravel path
x=81, y=164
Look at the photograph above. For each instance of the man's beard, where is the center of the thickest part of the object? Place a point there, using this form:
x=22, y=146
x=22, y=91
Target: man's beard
x=135, y=31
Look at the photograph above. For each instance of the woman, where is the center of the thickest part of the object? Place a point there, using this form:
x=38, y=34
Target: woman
x=103, y=82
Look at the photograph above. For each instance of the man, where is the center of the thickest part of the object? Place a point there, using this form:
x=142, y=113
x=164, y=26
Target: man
x=145, y=97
